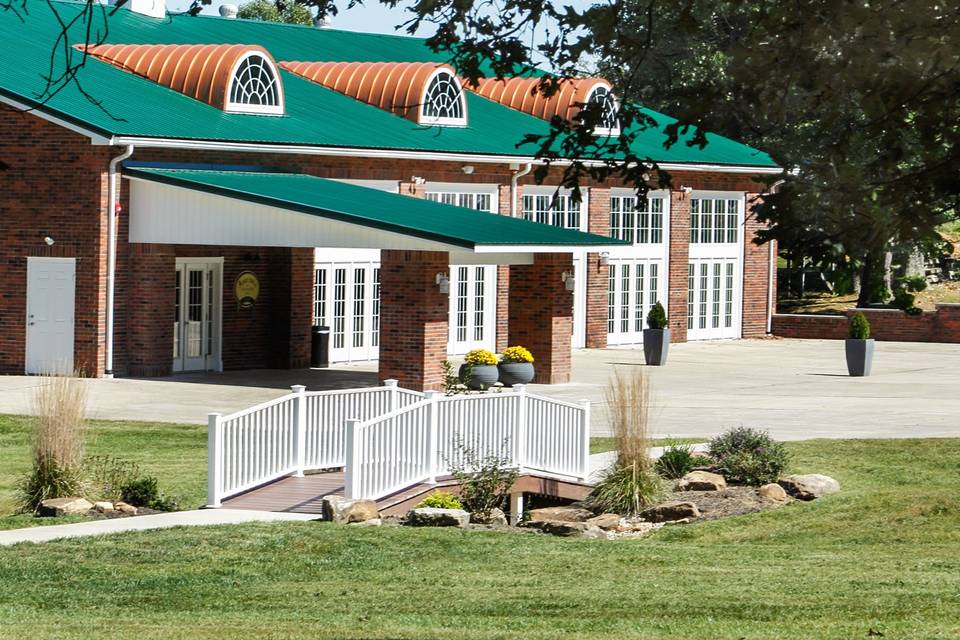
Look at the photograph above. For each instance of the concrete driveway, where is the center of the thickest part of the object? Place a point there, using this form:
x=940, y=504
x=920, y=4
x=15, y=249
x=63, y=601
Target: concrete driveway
x=797, y=389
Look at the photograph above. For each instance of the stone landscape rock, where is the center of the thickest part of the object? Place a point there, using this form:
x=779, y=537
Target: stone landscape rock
x=810, y=486
x=670, y=511
x=701, y=481
x=606, y=520
x=560, y=514
x=125, y=508
x=340, y=510
x=495, y=517
x=433, y=517
x=772, y=491
x=372, y=522
x=562, y=528
x=103, y=506
x=64, y=506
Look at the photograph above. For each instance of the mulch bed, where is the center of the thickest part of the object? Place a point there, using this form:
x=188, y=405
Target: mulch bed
x=732, y=501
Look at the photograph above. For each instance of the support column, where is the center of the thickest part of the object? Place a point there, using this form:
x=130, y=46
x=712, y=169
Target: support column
x=541, y=314
x=597, y=274
x=503, y=274
x=290, y=331
x=679, y=265
x=413, y=318
x=759, y=288
x=148, y=344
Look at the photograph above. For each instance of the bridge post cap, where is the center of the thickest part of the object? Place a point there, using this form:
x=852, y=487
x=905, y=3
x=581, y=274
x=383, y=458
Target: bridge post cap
x=298, y=388
x=391, y=382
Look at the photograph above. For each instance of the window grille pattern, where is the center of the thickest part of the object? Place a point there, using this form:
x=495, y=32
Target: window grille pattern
x=714, y=220
x=711, y=299
x=478, y=201
x=608, y=119
x=443, y=101
x=632, y=292
x=637, y=220
x=255, y=87
x=556, y=210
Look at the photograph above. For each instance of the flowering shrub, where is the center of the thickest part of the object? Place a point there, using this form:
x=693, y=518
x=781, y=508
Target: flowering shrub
x=748, y=456
x=516, y=354
x=479, y=357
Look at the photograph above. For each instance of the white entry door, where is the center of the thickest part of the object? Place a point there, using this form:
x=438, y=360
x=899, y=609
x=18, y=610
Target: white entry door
x=50, y=315
x=473, y=308
x=346, y=298
x=197, y=319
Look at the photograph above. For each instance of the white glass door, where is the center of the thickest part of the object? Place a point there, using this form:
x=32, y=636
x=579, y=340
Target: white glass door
x=196, y=324
x=347, y=299
x=634, y=287
x=473, y=308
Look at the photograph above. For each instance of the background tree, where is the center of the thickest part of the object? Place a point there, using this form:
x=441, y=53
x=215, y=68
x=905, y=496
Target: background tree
x=289, y=12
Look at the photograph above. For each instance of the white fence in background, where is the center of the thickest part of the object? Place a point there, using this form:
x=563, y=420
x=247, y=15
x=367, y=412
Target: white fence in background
x=289, y=435
x=387, y=438
x=418, y=443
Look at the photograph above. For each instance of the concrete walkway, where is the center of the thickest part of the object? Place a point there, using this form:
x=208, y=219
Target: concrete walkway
x=797, y=389
x=202, y=517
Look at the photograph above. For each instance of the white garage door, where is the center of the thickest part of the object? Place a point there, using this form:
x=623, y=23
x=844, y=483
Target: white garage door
x=715, y=272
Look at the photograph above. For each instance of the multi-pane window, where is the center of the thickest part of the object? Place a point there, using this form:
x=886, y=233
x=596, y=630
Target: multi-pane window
x=359, y=295
x=319, y=296
x=255, y=88
x=339, y=307
x=714, y=220
x=631, y=293
x=478, y=299
x=637, y=220
x=479, y=201
x=443, y=101
x=462, y=302
x=711, y=296
x=608, y=123
x=612, y=299
x=375, y=310
x=691, y=289
x=554, y=209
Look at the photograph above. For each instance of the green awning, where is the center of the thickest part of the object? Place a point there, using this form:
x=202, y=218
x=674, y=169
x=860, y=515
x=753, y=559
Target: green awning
x=459, y=227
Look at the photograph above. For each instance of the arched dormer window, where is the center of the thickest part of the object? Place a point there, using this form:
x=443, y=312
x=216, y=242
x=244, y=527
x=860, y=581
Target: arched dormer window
x=443, y=101
x=608, y=124
x=255, y=86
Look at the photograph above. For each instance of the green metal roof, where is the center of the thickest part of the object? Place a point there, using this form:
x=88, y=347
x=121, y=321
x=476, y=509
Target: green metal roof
x=135, y=107
x=373, y=208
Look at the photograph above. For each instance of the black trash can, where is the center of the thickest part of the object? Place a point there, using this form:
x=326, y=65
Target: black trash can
x=320, y=346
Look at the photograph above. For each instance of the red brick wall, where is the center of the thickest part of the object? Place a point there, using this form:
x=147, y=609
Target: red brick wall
x=503, y=276
x=942, y=325
x=679, y=265
x=55, y=186
x=756, y=274
x=413, y=318
x=541, y=314
x=597, y=274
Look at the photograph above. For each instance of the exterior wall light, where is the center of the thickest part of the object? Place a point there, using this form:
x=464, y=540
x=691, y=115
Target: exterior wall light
x=604, y=259
x=49, y=241
x=467, y=169
x=568, y=280
x=443, y=282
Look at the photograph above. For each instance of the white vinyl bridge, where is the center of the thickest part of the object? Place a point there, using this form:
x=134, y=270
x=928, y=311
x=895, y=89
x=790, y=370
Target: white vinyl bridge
x=386, y=439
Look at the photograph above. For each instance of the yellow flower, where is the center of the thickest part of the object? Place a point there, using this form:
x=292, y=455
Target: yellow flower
x=516, y=354
x=480, y=357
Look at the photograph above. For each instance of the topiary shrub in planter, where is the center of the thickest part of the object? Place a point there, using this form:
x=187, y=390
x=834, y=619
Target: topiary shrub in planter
x=859, y=346
x=656, y=337
x=516, y=366
x=748, y=456
x=479, y=370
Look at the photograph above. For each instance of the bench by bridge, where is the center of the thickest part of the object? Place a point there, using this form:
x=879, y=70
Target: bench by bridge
x=391, y=445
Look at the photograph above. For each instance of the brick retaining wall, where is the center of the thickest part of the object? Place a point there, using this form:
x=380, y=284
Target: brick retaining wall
x=942, y=325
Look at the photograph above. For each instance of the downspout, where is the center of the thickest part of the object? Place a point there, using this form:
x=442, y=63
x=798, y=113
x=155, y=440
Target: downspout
x=112, y=251
x=513, y=187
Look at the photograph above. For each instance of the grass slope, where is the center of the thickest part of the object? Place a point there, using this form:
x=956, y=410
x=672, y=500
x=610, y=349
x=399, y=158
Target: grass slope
x=176, y=454
x=879, y=557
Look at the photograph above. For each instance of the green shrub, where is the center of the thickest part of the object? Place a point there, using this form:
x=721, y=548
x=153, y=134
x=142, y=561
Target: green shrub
x=141, y=492
x=107, y=475
x=452, y=384
x=441, y=500
x=859, y=326
x=904, y=294
x=485, y=481
x=657, y=318
x=748, y=456
x=677, y=460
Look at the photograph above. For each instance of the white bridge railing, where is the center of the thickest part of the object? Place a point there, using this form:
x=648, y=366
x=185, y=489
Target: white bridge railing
x=289, y=435
x=419, y=442
x=387, y=438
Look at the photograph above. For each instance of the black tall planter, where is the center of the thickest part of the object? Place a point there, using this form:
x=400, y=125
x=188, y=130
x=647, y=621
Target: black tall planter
x=656, y=344
x=859, y=356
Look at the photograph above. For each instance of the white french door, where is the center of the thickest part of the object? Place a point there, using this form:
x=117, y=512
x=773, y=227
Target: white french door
x=634, y=287
x=715, y=270
x=347, y=299
x=50, y=315
x=473, y=308
x=197, y=318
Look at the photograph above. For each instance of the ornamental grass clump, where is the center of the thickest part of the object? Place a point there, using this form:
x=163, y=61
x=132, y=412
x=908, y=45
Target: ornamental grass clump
x=748, y=456
x=59, y=405
x=516, y=354
x=631, y=483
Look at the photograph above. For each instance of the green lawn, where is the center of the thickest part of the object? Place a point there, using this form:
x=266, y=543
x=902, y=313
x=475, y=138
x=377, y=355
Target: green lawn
x=175, y=453
x=881, y=557
x=599, y=445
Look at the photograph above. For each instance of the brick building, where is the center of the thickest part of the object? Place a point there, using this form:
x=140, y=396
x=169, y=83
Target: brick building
x=190, y=206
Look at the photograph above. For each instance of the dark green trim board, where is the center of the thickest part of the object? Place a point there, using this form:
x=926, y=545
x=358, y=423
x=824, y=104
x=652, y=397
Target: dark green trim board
x=372, y=208
x=133, y=107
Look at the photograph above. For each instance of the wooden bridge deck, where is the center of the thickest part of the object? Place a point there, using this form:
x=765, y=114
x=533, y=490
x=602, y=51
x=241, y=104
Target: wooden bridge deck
x=305, y=495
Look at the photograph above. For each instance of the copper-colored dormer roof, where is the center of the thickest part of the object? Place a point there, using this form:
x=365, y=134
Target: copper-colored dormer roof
x=201, y=71
x=524, y=95
x=398, y=87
